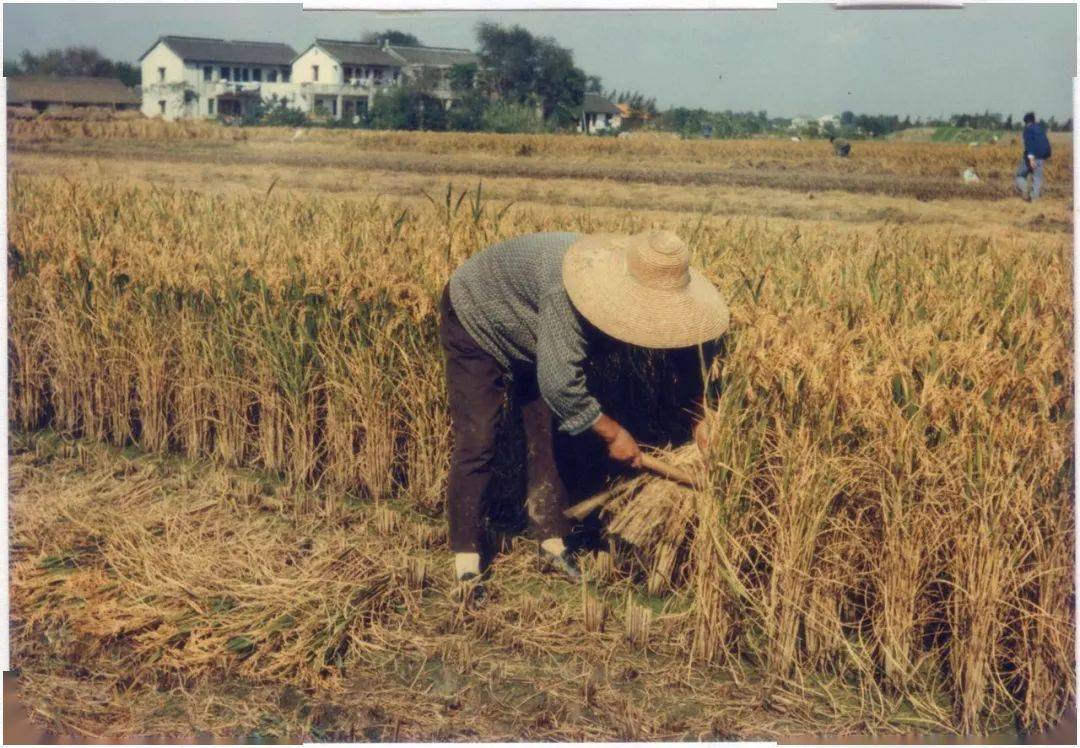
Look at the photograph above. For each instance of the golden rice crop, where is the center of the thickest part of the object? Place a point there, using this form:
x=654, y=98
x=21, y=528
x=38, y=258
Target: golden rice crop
x=887, y=483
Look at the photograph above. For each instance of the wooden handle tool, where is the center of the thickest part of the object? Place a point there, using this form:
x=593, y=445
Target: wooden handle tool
x=661, y=468
x=582, y=509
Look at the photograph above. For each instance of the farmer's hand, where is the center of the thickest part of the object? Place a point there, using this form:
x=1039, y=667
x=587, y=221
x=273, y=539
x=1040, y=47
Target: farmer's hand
x=701, y=435
x=624, y=448
x=621, y=446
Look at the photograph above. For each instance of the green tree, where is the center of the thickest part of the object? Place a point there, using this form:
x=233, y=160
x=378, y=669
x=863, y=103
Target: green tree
x=74, y=61
x=276, y=111
x=522, y=69
x=466, y=114
x=507, y=117
x=406, y=108
x=462, y=77
x=560, y=85
x=506, y=58
x=390, y=36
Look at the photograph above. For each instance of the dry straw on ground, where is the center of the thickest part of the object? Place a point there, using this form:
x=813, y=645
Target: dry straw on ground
x=888, y=478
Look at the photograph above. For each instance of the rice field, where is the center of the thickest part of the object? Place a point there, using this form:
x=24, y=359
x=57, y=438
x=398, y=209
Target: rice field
x=227, y=479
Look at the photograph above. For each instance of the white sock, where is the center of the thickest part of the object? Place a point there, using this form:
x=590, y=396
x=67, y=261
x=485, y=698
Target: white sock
x=466, y=563
x=554, y=546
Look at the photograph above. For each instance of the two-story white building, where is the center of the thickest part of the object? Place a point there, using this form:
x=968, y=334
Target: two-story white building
x=188, y=77
x=340, y=78
x=435, y=63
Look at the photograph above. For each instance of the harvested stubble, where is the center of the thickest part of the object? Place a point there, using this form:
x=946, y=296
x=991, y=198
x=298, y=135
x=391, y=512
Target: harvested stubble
x=888, y=475
x=895, y=159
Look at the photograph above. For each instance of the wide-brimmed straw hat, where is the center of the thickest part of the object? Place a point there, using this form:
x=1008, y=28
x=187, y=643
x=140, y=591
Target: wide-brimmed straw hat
x=641, y=289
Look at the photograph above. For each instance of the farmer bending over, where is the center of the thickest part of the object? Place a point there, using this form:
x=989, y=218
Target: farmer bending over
x=530, y=307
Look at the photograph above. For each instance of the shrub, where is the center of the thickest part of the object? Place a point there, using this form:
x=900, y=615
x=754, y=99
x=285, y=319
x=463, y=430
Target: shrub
x=508, y=118
x=404, y=108
x=467, y=113
x=276, y=111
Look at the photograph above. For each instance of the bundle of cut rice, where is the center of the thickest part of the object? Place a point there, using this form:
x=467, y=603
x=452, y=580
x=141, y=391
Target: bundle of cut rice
x=657, y=515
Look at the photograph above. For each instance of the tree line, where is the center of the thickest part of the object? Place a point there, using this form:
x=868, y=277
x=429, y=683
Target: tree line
x=527, y=83
x=85, y=61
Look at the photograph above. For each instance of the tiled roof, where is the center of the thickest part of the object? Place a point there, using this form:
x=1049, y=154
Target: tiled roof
x=200, y=49
x=357, y=53
x=23, y=89
x=597, y=104
x=434, y=56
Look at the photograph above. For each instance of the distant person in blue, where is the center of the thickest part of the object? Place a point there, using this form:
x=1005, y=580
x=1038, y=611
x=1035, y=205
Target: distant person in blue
x=1036, y=151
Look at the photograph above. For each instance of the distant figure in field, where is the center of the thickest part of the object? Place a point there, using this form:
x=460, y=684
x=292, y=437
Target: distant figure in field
x=841, y=147
x=1036, y=151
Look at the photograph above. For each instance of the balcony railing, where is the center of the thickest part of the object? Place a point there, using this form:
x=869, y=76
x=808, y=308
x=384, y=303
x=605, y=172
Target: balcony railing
x=353, y=86
x=233, y=87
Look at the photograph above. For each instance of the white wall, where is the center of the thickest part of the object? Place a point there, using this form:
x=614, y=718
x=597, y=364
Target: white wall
x=173, y=98
x=601, y=122
x=187, y=95
x=155, y=91
x=607, y=122
x=162, y=57
x=329, y=70
x=288, y=91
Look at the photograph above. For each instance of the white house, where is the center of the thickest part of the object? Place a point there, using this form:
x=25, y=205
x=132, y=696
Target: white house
x=187, y=76
x=340, y=78
x=598, y=115
x=435, y=62
x=828, y=119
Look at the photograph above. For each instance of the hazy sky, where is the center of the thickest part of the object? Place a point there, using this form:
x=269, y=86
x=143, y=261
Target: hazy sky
x=799, y=59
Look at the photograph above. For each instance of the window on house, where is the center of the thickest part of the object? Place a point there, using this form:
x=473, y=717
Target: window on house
x=236, y=75
x=210, y=106
x=207, y=73
x=256, y=74
x=224, y=73
x=247, y=74
x=348, y=73
x=271, y=76
x=285, y=75
x=161, y=106
x=161, y=74
x=314, y=72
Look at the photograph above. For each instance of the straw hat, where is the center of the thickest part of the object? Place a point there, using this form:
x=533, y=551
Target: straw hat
x=641, y=289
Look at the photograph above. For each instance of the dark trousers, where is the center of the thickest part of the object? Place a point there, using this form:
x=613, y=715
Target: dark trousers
x=476, y=387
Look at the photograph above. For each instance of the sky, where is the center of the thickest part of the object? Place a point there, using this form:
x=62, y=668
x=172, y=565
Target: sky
x=795, y=60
